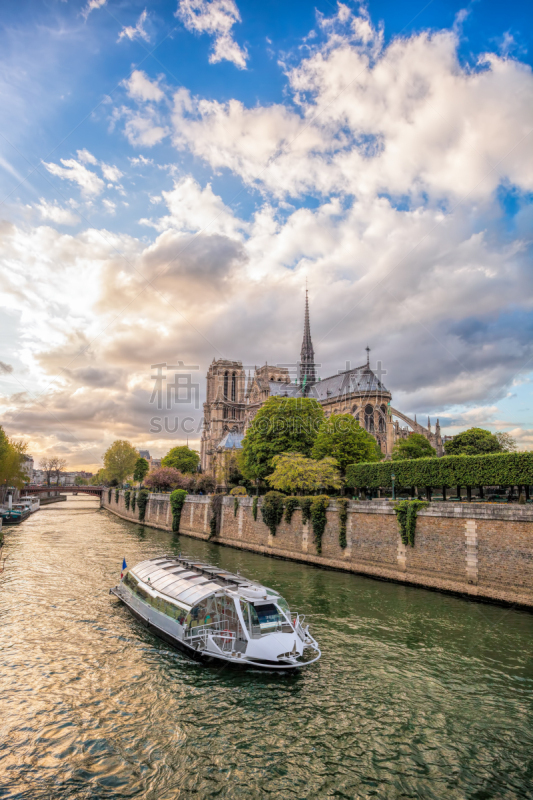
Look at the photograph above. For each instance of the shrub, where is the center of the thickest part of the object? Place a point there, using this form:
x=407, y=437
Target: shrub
x=406, y=512
x=133, y=500
x=177, y=499
x=238, y=490
x=272, y=510
x=116, y=495
x=217, y=501
x=254, y=507
x=318, y=518
x=167, y=478
x=142, y=502
x=305, y=504
x=291, y=504
x=342, y=504
x=235, y=505
x=205, y=483
x=109, y=495
x=497, y=469
x=127, y=496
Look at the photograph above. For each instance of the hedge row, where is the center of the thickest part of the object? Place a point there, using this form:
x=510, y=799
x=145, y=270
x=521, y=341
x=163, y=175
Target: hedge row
x=499, y=469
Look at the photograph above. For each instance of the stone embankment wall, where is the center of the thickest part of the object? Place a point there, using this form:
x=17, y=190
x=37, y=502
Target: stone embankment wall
x=480, y=550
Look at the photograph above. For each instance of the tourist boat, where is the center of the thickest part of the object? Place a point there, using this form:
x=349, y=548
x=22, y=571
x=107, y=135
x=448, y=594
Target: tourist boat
x=33, y=502
x=216, y=616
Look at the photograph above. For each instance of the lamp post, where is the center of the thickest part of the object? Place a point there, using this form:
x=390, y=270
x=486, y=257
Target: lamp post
x=393, y=476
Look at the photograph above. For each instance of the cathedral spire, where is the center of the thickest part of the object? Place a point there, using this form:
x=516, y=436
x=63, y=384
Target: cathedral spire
x=307, y=355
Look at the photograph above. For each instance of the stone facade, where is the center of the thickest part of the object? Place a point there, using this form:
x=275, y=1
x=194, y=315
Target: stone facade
x=471, y=549
x=231, y=406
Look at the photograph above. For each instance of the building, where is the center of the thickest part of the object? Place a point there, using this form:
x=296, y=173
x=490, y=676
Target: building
x=27, y=467
x=154, y=463
x=232, y=401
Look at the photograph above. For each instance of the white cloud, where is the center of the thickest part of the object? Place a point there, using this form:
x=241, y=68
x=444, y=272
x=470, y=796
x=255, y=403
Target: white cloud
x=143, y=130
x=137, y=32
x=193, y=209
x=55, y=213
x=85, y=157
x=92, y=5
x=72, y=170
x=111, y=173
x=110, y=205
x=141, y=88
x=405, y=119
x=216, y=18
x=136, y=160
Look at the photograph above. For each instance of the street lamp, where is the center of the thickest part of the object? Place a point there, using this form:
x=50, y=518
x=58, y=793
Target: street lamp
x=393, y=476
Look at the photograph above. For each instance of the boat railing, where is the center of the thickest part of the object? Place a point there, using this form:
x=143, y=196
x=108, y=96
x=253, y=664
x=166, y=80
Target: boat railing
x=302, y=632
x=223, y=638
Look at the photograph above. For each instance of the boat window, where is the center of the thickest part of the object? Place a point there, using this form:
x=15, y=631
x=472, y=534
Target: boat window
x=245, y=611
x=270, y=617
x=282, y=603
x=195, y=618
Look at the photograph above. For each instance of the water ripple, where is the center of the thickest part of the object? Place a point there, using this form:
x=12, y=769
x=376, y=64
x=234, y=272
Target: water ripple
x=417, y=695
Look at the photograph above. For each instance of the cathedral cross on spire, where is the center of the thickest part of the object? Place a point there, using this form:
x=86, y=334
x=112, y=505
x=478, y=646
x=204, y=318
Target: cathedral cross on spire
x=307, y=355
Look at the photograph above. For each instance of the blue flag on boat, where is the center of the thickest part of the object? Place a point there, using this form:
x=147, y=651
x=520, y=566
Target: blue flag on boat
x=124, y=566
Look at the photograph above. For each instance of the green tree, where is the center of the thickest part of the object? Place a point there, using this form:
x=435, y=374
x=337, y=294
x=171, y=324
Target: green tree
x=415, y=446
x=282, y=425
x=473, y=442
x=11, y=462
x=142, y=467
x=79, y=481
x=507, y=443
x=120, y=460
x=100, y=479
x=295, y=473
x=342, y=438
x=182, y=458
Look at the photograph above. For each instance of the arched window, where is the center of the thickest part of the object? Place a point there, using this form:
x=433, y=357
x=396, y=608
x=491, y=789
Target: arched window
x=369, y=418
x=225, y=412
x=225, y=385
x=233, y=387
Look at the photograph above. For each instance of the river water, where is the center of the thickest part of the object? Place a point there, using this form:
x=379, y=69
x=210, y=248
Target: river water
x=417, y=694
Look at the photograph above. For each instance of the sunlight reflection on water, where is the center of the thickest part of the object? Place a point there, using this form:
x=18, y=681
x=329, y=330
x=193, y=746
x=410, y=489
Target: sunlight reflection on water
x=417, y=694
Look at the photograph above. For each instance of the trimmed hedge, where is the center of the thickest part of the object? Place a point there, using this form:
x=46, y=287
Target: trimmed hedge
x=497, y=469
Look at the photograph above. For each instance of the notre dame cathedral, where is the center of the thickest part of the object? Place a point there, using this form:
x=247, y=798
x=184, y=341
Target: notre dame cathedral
x=232, y=401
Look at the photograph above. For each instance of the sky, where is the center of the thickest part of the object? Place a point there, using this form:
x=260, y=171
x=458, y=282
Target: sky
x=173, y=174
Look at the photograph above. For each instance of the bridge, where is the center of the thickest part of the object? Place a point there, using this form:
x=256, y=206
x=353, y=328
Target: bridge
x=40, y=489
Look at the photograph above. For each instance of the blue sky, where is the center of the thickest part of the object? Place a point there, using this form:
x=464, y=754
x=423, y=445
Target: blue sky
x=171, y=174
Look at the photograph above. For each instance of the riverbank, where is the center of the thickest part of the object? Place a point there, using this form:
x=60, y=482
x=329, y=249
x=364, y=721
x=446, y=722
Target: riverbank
x=474, y=549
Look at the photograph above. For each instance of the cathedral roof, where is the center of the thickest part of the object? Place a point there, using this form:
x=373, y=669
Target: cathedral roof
x=280, y=389
x=360, y=380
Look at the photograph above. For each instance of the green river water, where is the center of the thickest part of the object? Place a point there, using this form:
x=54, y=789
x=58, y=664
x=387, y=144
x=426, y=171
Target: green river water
x=417, y=694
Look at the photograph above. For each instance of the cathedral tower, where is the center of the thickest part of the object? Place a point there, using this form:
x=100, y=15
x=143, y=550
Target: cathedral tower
x=307, y=355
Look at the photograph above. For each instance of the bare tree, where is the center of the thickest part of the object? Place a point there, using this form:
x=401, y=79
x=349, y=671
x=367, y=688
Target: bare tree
x=59, y=466
x=52, y=467
x=47, y=466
